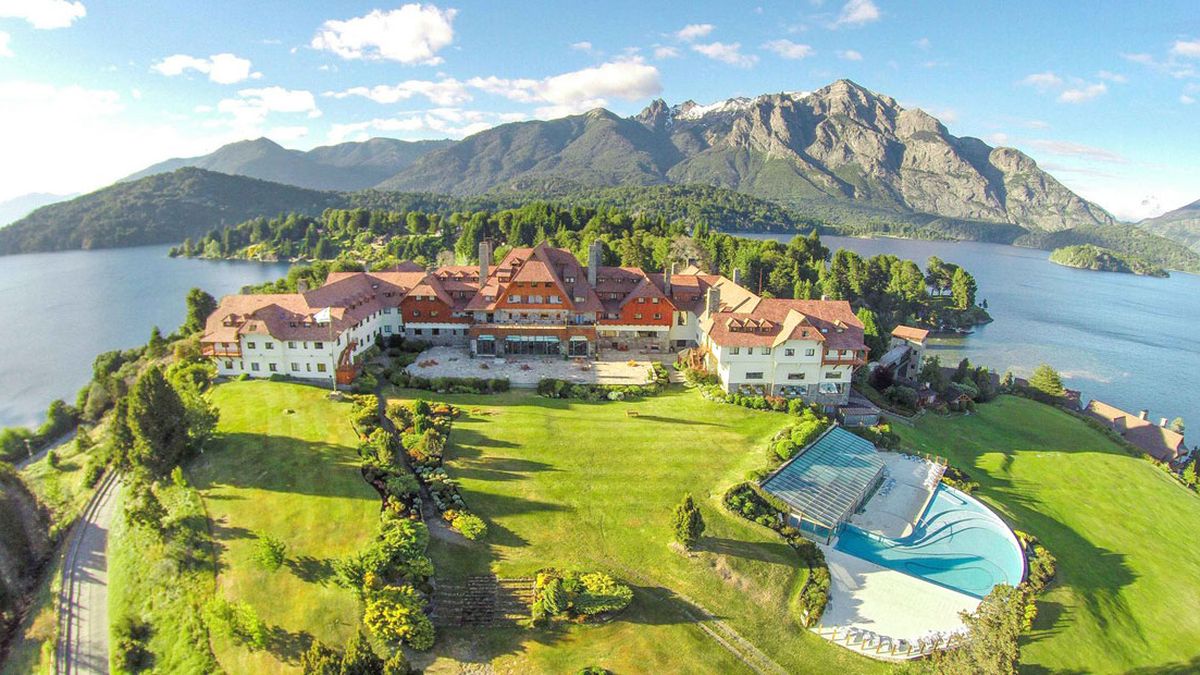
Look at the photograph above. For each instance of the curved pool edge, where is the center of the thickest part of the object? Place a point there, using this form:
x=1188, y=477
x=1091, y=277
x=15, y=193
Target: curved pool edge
x=1007, y=529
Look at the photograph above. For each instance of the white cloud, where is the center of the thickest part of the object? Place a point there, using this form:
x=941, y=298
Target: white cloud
x=849, y=55
x=857, y=13
x=1037, y=124
x=923, y=43
x=693, y=31
x=438, y=122
x=1083, y=92
x=1078, y=151
x=221, y=68
x=1144, y=59
x=726, y=53
x=412, y=34
x=1186, y=100
x=578, y=90
x=446, y=92
x=285, y=134
x=1043, y=81
x=1112, y=77
x=4, y=49
x=252, y=106
x=43, y=14
x=584, y=46
x=1186, y=48
x=998, y=138
x=664, y=52
x=788, y=49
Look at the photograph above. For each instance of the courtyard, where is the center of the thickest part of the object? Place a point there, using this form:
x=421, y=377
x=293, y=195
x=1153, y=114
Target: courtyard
x=526, y=371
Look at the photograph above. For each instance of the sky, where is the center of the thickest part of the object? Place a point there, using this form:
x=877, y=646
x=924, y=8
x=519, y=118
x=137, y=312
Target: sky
x=1104, y=95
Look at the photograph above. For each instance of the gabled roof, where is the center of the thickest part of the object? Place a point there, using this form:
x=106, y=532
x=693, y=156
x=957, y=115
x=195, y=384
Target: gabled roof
x=770, y=322
x=1158, y=442
x=910, y=333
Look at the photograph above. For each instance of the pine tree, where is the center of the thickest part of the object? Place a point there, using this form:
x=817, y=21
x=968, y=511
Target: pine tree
x=199, y=306
x=159, y=424
x=871, y=334
x=359, y=659
x=1047, y=381
x=962, y=289
x=688, y=523
x=320, y=659
x=156, y=346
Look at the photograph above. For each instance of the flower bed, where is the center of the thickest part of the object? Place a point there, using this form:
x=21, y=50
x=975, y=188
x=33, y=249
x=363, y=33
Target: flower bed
x=555, y=388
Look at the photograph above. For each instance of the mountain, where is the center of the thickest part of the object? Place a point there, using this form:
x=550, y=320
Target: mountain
x=1181, y=225
x=158, y=209
x=346, y=166
x=839, y=145
x=18, y=207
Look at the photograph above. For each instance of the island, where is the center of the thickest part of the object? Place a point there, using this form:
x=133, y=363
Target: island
x=1089, y=257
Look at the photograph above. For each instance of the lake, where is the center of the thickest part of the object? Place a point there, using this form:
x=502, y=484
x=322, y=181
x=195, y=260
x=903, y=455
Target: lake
x=1127, y=340
x=62, y=309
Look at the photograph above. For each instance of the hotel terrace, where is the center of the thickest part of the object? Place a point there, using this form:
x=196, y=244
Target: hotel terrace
x=541, y=301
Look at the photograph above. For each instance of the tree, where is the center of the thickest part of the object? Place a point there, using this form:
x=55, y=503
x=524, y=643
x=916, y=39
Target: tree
x=271, y=551
x=1045, y=380
x=143, y=507
x=199, y=306
x=962, y=289
x=397, y=665
x=990, y=647
x=359, y=658
x=396, y=614
x=1177, y=425
x=157, y=346
x=158, y=421
x=871, y=336
x=320, y=659
x=688, y=522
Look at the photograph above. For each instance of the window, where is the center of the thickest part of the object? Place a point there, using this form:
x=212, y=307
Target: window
x=733, y=351
x=387, y=329
x=433, y=313
x=295, y=367
x=795, y=376
x=514, y=298
x=641, y=301
x=682, y=319
x=766, y=350
x=416, y=313
x=418, y=331
x=308, y=367
x=657, y=315
x=268, y=345
x=318, y=345
x=229, y=365
x=436, y=331
x=254, y=367
x=755, y=375
x=291, y=345
x=387, y=310
x=789, y=352
x=654, y=300
x=320, y=367
x=637, y=316
x=249, y=345
x=273, y=367
x=809, y=352
x=554, y=300
x=835, y=375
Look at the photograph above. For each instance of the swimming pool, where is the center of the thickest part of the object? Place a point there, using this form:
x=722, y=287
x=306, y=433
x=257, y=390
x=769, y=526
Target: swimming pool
x=958, y=543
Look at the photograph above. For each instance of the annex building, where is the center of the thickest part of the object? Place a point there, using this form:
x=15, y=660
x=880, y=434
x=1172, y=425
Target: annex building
x=542, y=301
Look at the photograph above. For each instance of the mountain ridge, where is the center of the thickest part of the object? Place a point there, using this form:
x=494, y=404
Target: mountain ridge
x=354, y=165
x=1181, y=225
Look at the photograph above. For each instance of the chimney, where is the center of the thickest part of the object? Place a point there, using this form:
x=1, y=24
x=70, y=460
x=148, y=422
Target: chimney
x=1144, y=415
x=485, y=260
x=667, y=280
x=712, y=301
x=594, y=252
x=737, y=276
x=302, y=286
x=1162, y=422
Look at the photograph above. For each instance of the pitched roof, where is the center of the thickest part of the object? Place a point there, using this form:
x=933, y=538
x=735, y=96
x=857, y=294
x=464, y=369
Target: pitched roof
x=1158, y=442
x=771, y=322
x=910, y=333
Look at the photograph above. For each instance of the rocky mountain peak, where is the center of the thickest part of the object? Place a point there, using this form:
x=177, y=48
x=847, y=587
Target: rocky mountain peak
x=656, y=116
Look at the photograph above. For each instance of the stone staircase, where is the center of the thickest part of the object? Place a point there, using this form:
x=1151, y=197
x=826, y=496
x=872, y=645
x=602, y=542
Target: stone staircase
x=482, y=600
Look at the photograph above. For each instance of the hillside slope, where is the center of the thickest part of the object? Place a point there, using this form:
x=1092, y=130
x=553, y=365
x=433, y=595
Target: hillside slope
x=159, y=209
x=1181, y=225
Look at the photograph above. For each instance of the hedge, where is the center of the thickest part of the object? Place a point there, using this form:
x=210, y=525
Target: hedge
x=555, y=388
x=450, y=385
x=578, y=594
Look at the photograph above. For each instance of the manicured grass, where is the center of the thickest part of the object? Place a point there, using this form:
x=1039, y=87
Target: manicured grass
x=285, y=464
x=583, y=485
x=1124, y=534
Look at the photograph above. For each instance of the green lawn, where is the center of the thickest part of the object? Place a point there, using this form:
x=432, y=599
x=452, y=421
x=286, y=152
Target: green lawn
x=285, y=464
x=1124, y=534
x=583, y=485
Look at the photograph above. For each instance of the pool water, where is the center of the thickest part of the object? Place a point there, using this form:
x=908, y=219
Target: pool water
x=958, y=543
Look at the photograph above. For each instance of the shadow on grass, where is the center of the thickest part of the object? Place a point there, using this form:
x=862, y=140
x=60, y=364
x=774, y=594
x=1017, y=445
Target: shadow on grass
x=311, y=570
x=481, y=467
x=279, y=464
x=288, y=645
x=771, y=552
x=1179, y=668
x=674, y=420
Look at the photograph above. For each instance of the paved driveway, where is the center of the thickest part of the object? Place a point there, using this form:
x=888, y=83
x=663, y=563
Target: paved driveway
x=83, y=601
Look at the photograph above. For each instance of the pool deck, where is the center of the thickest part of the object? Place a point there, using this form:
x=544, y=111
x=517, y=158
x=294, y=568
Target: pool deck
x=881, y=612
x=896, y=507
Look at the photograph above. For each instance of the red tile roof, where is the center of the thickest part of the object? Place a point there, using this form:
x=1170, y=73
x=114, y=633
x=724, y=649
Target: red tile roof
x=773, y=321
x=1158, y=442
x=910, y=333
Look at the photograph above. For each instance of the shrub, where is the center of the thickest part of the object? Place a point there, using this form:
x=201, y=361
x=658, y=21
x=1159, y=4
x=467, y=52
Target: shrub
x=402, y=485
x=396, y=614
x=270, y=552
x=52, y=459
x=470, y=526
x=321, y=659
x=129, y=645
x=579, y=594
x=237, y=621
x=687, y=522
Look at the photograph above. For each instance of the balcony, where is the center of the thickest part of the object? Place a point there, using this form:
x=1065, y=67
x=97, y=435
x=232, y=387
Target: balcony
x=218, y=351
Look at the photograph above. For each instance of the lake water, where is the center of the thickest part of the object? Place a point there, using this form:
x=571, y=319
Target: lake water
x=1127, y=340
x=59, y=310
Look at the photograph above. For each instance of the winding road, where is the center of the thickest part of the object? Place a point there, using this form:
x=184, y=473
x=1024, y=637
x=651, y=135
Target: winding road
x=83, y=600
